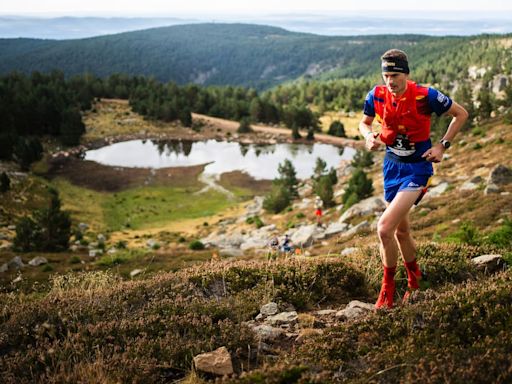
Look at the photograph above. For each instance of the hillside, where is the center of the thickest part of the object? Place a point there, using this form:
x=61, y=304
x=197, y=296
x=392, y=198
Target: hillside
x=138, y=313
x=251, y=55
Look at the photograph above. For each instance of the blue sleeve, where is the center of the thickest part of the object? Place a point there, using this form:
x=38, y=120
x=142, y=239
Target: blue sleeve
x=438, y=102
x=369, y=108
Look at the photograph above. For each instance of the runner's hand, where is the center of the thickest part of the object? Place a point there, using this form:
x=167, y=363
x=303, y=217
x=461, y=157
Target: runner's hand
x=434, y=154
x=372, y=142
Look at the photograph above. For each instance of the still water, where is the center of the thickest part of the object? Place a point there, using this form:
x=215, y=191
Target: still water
x=259, y=161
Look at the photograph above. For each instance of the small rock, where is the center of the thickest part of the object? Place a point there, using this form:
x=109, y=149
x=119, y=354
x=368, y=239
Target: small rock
x=4, y=268
x=354, y=310
x=136, y=272
x=326, y=312
x=363, y=226
x=438, y=190
x=349, y=251
x=266, y=332
x=152, y=243
x=17, y=279
x=11, y=227
x=217, y=362
x=83, y=227
x=95, y=252
x=283, y=318
x=489, y=263
x=269, y=309
x=38, y=260
x=491, y=188
x=15, y=263
x=500, y=175
x=101, y=238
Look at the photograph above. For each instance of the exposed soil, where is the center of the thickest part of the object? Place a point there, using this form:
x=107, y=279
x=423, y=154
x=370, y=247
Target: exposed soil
x=98, y=177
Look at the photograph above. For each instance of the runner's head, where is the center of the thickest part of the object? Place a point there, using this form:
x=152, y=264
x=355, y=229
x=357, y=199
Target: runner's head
x=395, y=71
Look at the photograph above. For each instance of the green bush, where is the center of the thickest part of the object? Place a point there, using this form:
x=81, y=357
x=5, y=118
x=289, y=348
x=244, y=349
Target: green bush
x=359, y=187
x=48, y=230
x=196, y=245
x=337, y=129
x=256, y=220
x=362, y=159
x=75, y=259
x=245, y=125
x=278, y=198
x=501, y=237
x=5, y=182
x=466, y=234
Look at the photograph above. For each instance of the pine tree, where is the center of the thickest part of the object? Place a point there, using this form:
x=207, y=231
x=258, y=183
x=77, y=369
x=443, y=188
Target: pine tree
x=359, y=187
x=337, y=129
x=288, y=177
x=48, y=230
x=5, y=182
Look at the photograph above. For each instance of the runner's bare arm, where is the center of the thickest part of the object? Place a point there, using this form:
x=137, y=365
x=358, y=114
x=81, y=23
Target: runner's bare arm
x=365, y=127
x=460, y=115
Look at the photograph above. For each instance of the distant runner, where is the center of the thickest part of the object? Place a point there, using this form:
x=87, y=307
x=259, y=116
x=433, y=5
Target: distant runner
x=318, y=210
x=403, y=109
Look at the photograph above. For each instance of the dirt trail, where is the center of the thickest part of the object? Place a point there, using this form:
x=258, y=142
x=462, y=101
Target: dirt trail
x=319, y=137
x=211, y=183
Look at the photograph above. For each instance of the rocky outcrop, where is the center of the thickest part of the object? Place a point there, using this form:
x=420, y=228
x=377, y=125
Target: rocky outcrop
x=217, y=362
x=471, y=184
x=355, y=309
x=489, y=263
x=38, y=260
x=438, y=190
x=365, y=207
x=500, y=175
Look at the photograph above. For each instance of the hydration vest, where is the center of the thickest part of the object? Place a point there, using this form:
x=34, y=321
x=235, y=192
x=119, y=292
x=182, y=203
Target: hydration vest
x=401, y=116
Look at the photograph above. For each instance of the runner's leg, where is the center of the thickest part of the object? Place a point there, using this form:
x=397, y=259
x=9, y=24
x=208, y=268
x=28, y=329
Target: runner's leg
x=397, y=210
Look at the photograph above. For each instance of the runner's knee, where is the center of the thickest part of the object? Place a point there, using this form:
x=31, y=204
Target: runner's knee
x=385, y=231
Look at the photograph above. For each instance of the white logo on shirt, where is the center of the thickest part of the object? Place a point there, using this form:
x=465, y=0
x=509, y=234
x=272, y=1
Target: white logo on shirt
x=442, y=99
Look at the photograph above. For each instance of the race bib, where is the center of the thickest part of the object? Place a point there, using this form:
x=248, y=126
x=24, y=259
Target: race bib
x=402, y=146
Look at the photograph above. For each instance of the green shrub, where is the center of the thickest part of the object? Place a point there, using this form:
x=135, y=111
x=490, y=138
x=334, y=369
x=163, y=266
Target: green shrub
x=359, y=187
x=278, y=198
x=245, y=125
x=48, y=230
x=501, y=237
x=362, y=159
x=256, y=220
x=337, y=129
x=75, y=259
x=196, y=245
x=466, y=234
x=5, y=182
x=121, y=244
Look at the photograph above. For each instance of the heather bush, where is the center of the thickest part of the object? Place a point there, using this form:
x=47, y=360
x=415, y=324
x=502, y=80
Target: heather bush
x=299, y=283
x=460, y=333
x=93, y=326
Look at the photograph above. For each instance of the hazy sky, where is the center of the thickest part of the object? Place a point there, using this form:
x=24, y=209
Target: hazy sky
x=241, y=7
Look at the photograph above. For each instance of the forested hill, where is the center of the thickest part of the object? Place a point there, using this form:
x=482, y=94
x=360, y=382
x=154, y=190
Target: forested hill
x=250, y=55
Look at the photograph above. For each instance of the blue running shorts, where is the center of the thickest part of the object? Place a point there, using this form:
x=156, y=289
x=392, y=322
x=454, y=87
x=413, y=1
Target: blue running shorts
x=401, y=176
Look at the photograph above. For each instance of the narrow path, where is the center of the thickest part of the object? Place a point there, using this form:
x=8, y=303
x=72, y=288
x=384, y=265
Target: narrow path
x=211, y=183
x=319, y=137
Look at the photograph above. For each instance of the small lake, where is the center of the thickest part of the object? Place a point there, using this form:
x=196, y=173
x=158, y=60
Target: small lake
x=259, y=161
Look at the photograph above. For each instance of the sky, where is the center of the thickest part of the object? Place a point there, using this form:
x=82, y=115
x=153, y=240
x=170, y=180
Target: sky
x=50, y=8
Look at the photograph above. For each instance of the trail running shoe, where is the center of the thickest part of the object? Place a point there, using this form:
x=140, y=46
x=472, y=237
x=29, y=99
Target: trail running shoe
x=386, y=295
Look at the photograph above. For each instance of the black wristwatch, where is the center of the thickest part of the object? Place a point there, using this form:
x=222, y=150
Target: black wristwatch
x=445, y=143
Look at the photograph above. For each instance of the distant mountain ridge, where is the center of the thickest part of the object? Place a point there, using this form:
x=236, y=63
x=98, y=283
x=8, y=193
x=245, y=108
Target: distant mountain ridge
x=235, y=54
